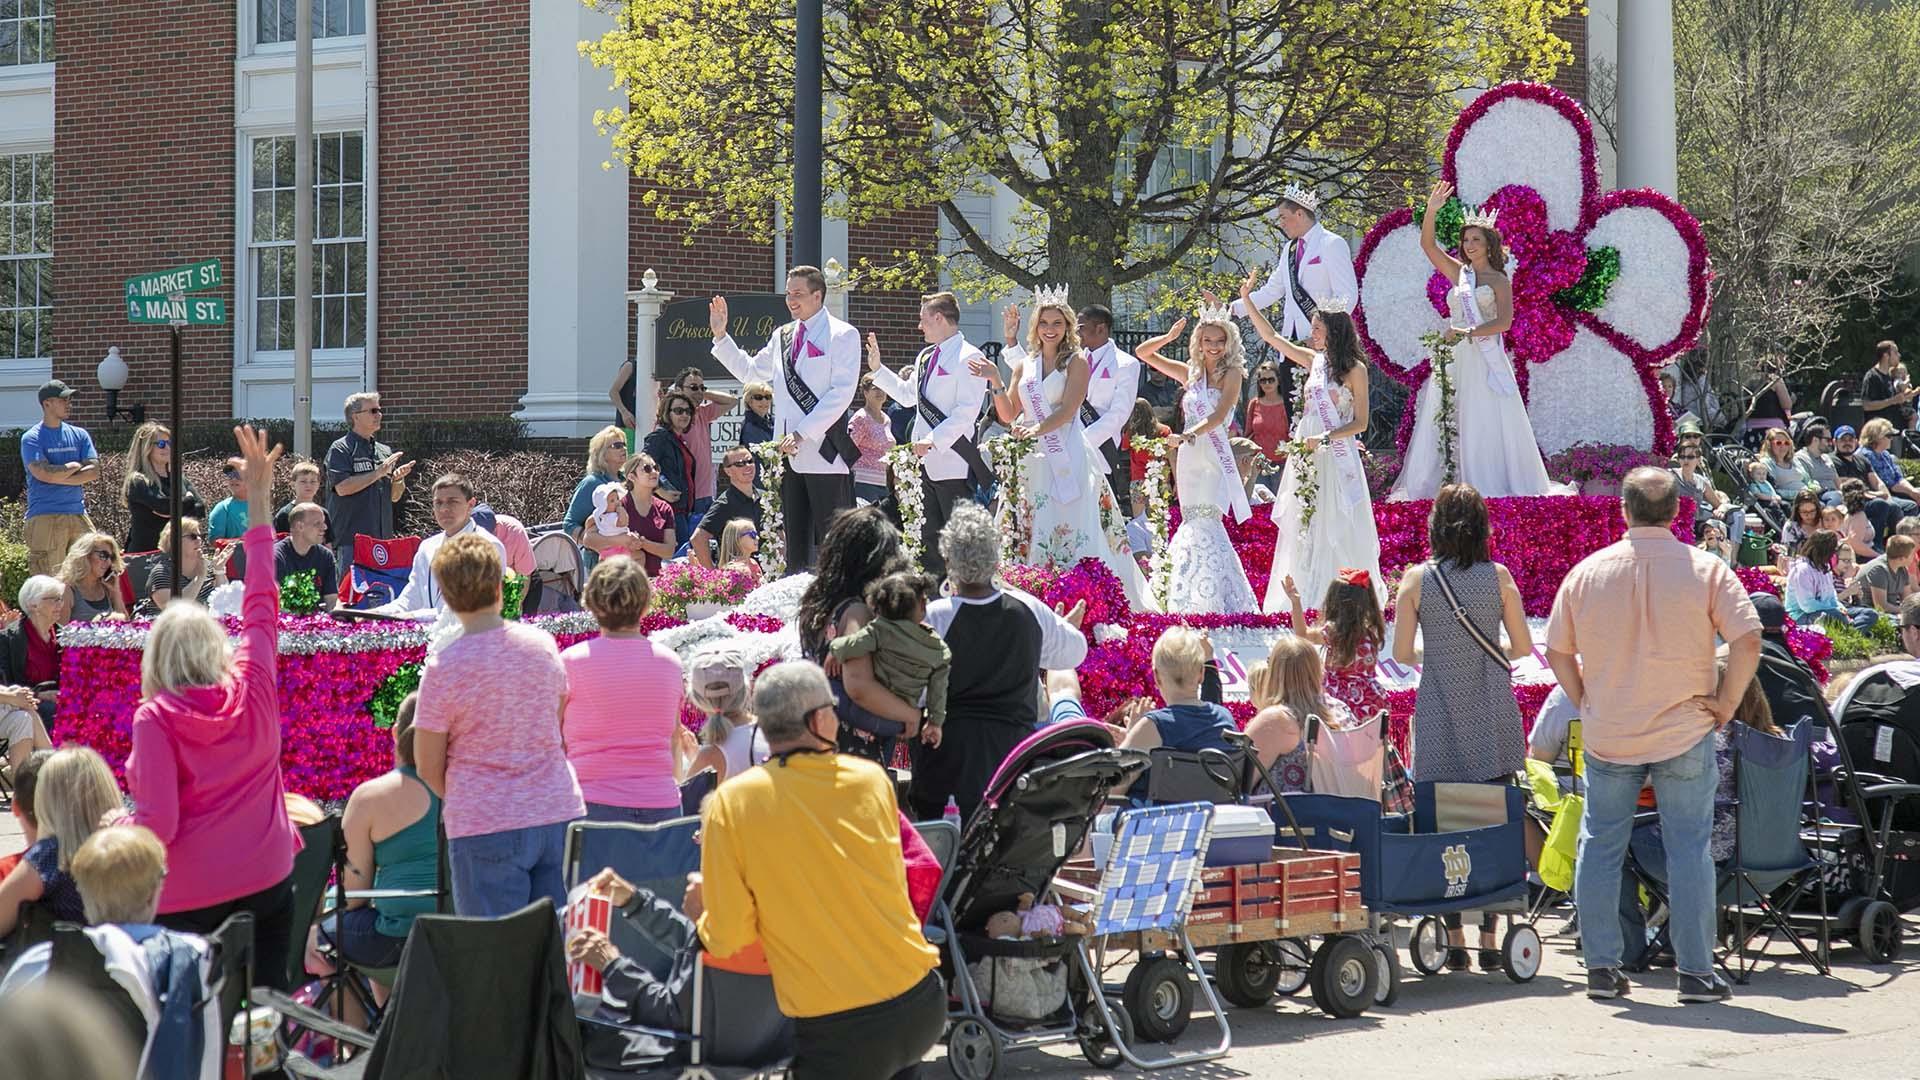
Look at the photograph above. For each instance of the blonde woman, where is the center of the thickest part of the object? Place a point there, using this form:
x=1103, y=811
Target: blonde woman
x=148, y=489
x=739, y=545
x=1205, y=577
x=1287, y=688
x=196, y=577
x=1068, y=494
x=205, y=769
x=606, y=454
x=91, y=572
x=74, y=790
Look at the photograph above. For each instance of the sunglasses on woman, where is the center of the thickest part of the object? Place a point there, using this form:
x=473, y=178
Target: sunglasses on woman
x=162, y=444
x=679, y=412
x=749, y=536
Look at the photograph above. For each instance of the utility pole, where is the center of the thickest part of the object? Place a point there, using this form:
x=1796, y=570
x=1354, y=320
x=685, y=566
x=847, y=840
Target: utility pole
x=303, y=229
x=808, y=52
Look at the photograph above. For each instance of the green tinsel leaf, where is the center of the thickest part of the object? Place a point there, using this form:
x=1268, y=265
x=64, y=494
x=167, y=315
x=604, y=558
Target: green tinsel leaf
x=1590, y=292
x=385, y=702
x=300, y=593
x=512, y=589
x=1447, y=223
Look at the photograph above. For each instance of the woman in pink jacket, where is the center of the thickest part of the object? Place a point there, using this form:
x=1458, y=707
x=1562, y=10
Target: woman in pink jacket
x=205, y=769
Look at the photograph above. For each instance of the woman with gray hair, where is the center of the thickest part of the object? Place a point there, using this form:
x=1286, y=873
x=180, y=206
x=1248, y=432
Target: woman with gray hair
x=804, y=856
x=205, y=768
x=30, y=648
x=1001, y=641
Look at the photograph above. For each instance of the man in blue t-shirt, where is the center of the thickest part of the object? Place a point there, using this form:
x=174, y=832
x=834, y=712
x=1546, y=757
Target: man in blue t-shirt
x=60, y=460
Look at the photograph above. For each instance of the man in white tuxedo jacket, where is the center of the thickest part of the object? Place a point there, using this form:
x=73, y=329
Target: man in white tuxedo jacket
x=813, y=365
x=1113, y=386
x=946, y=397
x=1314, y=266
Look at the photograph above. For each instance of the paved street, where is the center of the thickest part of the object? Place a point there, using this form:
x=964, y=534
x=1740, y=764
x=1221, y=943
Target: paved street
x=1787, y=1023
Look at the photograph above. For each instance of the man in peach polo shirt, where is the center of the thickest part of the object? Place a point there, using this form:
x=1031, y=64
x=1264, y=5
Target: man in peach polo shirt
x=1632, y=638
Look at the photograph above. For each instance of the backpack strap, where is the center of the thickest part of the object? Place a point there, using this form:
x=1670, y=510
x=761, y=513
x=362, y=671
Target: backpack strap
x=1479, y=636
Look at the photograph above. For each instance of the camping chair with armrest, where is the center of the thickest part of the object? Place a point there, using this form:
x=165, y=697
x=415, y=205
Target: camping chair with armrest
x=354, y=978
x=656, y=857
x=474, y=998
x=1771, y=871
x=78, y=961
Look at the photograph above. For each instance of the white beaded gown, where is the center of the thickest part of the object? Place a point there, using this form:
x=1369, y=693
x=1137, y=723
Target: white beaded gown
x=1074, y=521
x=1494, y=442
x=1204, y=575
x=1342, y=532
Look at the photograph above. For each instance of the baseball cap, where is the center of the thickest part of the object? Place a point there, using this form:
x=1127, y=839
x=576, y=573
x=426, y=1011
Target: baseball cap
x=1773, y=614
x=1843, y=431
x=54, y=388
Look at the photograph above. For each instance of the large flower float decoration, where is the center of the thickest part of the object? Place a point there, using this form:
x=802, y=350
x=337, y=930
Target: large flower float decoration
x=1608, y=287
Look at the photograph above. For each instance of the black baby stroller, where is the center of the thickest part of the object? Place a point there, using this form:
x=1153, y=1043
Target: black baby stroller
x=1037, y=811
x=1878, y=735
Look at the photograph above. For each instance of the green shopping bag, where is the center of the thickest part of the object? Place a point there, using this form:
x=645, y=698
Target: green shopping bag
x=1563, y=842
x=1755, y=550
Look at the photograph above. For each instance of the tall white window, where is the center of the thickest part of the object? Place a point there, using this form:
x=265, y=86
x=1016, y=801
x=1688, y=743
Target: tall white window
x=274, y=19
x=339, y=242
x=26, y=32
x=26, y=256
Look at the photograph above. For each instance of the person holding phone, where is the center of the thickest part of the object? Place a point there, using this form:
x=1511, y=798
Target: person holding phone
x=91, y=574
x=365, y=478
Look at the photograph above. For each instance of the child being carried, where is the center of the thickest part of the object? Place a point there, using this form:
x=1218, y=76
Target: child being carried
x=909, y=658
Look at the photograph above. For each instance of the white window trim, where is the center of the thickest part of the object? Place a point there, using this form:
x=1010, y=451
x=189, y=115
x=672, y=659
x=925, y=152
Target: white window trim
x=17, y=366
x=247, y=361
x=247, y=27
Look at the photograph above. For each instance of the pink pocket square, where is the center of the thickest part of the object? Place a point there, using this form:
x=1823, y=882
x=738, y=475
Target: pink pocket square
x=1313, y=261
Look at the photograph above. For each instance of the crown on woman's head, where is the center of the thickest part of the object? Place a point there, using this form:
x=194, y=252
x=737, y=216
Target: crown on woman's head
x=1334, y=305
x=1216, y=313
x=1485, y=217
x=1050, y=294
x=1302, y=197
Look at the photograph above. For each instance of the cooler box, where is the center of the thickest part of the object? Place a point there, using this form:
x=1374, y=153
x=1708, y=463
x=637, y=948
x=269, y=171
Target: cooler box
x=1241, y=835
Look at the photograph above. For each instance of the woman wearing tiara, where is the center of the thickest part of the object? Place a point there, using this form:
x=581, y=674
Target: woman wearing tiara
x=1322, y=508
x=1070, y=508
x=1494, y=448
x=1204, y=575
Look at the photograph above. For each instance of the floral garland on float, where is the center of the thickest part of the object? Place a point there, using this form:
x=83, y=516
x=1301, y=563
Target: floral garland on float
x=1158, y=489
x=1609, y=286
x=773, y=538
x=1306, y=479
x=911, y=497
x=1441, y=352
x=1005, y=453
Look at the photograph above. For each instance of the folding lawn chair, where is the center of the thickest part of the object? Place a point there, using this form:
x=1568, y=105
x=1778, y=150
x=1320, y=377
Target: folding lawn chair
x=475, y=998
x=737, y=1030
x=1772, y=871
x=1152, y=873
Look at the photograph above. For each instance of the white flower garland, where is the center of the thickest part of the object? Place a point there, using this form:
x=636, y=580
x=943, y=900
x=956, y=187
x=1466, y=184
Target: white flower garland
x=1306, y=479
x=910, y=496
x=1006, y=453
x=773, y=532
x=1449, y=415
x=1159, y=492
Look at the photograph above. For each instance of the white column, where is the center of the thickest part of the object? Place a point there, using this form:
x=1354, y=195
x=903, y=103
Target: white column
x=839, y=284
x=1648, y=158
x=1603, y=48
x=576, y=230
x=648, y=302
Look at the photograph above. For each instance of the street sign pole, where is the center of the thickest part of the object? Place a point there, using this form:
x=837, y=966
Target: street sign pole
x=303, y=229
x=179, y=460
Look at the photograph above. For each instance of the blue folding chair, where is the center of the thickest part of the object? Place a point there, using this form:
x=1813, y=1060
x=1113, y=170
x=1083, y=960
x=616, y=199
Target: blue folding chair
x=1771, y=870
x=1152, y=874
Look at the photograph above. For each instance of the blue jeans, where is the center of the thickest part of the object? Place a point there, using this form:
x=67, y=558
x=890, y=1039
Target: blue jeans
x=499, y=873
x=355, y=935
x=1684, y=787
x=1885, y=514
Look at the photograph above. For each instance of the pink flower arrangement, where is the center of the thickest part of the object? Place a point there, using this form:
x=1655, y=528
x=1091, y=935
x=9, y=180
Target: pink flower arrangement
x=683, y=584
x=1597, y=463
x=1087, y=580
x=1755, y=580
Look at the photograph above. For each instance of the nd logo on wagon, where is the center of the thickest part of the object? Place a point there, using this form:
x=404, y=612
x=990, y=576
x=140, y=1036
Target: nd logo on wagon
x=1457, y=864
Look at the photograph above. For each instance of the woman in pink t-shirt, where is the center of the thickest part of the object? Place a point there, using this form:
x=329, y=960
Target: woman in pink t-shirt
x=622, y=711
x=487, y=741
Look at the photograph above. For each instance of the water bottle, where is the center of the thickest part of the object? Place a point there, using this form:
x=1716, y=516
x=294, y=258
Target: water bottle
x=951, y=815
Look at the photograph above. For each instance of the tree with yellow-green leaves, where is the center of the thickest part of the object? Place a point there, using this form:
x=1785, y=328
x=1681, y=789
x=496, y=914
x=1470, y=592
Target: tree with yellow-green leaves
x=1138, y=134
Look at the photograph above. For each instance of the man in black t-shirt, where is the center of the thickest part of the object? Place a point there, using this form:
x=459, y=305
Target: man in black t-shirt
x=303, y=550
x=364, y=479
x=1883, y=392
x=738, y=501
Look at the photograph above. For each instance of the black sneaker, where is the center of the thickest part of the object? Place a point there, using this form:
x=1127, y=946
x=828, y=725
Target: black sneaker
x=1605, y=984
x=1696, y=990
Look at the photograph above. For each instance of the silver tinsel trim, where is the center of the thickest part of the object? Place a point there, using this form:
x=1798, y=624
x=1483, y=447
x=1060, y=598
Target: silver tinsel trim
x=346, y=638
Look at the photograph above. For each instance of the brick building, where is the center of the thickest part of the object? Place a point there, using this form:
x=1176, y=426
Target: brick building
x=472, y=255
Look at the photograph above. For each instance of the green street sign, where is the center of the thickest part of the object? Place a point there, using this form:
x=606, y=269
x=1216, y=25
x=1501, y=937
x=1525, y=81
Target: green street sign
x=193, y=277
x=186, y=310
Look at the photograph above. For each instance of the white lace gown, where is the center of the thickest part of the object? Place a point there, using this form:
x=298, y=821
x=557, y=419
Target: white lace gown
x=1204, y=574
x=1494, y=443
x=1339, y=535
x=1084, y=520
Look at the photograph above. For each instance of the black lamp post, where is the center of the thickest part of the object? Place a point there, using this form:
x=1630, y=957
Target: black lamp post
x=808, y=52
